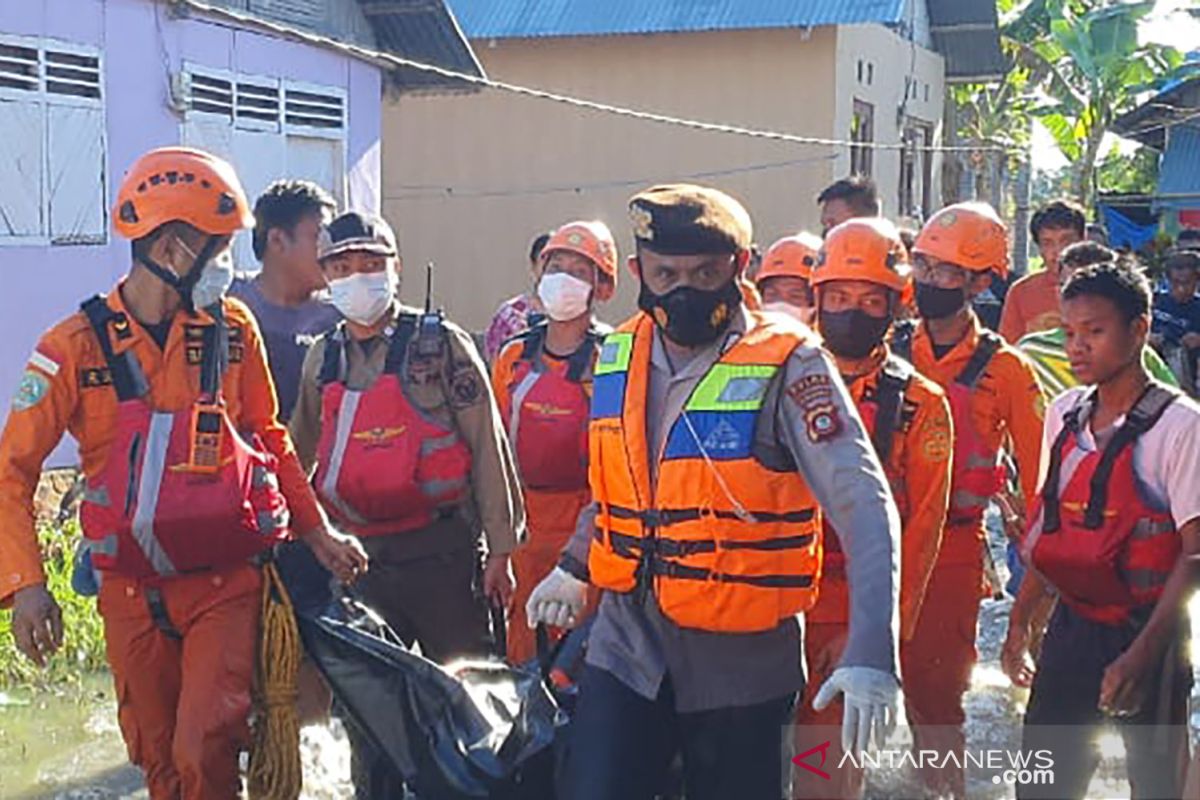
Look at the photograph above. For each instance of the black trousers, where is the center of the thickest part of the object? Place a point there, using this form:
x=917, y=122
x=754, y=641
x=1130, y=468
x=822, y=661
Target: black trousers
x=1063, y=717
x=622, y=744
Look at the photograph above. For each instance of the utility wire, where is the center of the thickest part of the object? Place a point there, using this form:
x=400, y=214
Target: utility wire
x=576, y=102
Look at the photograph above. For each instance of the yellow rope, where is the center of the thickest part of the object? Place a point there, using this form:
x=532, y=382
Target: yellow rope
x=275, y=770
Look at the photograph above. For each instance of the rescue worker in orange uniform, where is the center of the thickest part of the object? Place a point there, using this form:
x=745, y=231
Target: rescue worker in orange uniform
x=543, y=383
x=1115, y=533
x=716, y=434
x=859, y=280
x=786, y=271
x=994, y=396
x=398, y=418
x=164, y=384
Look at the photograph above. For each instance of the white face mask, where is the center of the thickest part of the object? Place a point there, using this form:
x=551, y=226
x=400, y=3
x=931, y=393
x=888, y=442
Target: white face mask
x=564, y=296
x=805, y=315
x=216, y=276
x=364, y=297
x=214, y=281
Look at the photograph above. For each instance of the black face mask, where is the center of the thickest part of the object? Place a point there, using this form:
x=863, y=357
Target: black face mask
x=691, y=317
x=852, y=334
x=934, y=302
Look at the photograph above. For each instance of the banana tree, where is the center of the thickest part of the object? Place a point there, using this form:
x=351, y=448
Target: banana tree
x=1092, y=68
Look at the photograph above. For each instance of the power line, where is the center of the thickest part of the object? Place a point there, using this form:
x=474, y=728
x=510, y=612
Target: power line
x=577, y=102
x=415, y=191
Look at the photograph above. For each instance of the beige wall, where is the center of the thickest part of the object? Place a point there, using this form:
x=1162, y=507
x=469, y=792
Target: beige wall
x=466, y=176
x=887, y=60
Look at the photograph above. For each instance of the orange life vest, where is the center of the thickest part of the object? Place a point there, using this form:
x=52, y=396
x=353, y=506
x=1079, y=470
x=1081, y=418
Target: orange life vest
x=383, y=466
x=725, y=542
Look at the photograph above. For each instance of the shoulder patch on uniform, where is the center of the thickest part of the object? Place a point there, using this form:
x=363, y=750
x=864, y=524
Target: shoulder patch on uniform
x=814, y=396
x=823, y=422
x=30, y=390
x=465, y=386
x=44, y=362
x=811, y=389
x=937, y=445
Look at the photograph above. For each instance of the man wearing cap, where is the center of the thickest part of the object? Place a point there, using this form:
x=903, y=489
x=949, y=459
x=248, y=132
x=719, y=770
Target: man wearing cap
x=709, y=551
x=397, y=414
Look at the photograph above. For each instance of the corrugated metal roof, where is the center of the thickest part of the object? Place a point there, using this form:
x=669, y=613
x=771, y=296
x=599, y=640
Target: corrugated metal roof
x=966, y=32
x=1179, y=172
x=972, y=56
x=500, y=19
x=425, y=31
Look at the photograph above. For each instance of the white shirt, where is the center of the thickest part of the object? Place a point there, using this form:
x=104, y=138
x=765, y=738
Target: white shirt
x=1166, y=459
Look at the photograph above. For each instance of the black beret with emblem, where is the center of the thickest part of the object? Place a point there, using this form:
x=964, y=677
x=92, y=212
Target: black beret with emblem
x=685, y=219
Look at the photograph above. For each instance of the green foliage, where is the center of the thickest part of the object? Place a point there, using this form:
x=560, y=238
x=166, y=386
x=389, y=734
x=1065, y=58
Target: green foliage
x=1135, y=173
x=1075, y=66
x=83, y=640
x=1090, y=67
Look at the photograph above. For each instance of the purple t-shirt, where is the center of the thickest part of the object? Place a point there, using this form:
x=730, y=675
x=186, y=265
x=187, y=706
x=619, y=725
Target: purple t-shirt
x=288, y=332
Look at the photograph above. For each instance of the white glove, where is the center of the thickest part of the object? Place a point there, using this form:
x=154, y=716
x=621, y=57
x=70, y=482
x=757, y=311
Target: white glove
x=871, y=699
x=558, y=600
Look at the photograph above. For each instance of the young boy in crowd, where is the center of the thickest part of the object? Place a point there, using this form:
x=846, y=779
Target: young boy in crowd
x=1114, y=534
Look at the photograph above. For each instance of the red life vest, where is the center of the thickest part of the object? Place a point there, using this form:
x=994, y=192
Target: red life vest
x=179, y=491
x=1094, y=535
x=979, y=472
x=548, y=423
x=383, y=466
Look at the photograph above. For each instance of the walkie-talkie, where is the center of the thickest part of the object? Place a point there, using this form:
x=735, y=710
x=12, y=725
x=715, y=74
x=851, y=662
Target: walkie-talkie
x=429, y=329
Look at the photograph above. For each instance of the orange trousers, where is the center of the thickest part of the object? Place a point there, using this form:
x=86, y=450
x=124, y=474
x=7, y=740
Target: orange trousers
x=183, y=703
x=550, y=519
x=936, y=667
x=823, y=645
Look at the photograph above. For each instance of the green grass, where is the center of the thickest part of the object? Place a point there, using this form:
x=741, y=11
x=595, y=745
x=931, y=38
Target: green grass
x=82, y=652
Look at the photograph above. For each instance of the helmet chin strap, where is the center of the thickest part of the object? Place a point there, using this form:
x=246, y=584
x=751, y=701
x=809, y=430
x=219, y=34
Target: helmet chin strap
x=183, y=286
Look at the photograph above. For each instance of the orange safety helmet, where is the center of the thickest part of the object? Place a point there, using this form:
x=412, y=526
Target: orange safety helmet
x=592, y=240
x=180, y=184
x=969, y=235
x=791, y=257
x=864, y=249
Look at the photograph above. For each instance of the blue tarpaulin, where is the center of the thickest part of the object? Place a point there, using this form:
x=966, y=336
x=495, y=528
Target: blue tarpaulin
x=1124, y=232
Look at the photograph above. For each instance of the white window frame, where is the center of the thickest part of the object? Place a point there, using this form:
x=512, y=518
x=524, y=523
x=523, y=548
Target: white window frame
x=44, y=98
x=282, y=127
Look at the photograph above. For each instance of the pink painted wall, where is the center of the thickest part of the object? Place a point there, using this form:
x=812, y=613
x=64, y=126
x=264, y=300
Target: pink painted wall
x=43, y=284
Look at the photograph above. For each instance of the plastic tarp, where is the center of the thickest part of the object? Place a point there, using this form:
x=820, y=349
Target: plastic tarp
x=473, y=729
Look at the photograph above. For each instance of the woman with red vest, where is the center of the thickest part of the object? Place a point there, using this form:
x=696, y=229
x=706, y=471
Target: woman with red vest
x=190, y=478
x=994, y=396
x=397, y=415
x=1115, y=533
x=859, y=281
x=543, y=383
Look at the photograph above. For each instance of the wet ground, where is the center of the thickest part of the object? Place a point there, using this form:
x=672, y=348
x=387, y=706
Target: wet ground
x=69, y=748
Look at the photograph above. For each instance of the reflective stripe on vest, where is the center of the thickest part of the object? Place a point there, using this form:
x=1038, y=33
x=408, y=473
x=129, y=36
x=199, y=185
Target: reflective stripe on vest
x=725, y=542
x=337, y=456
